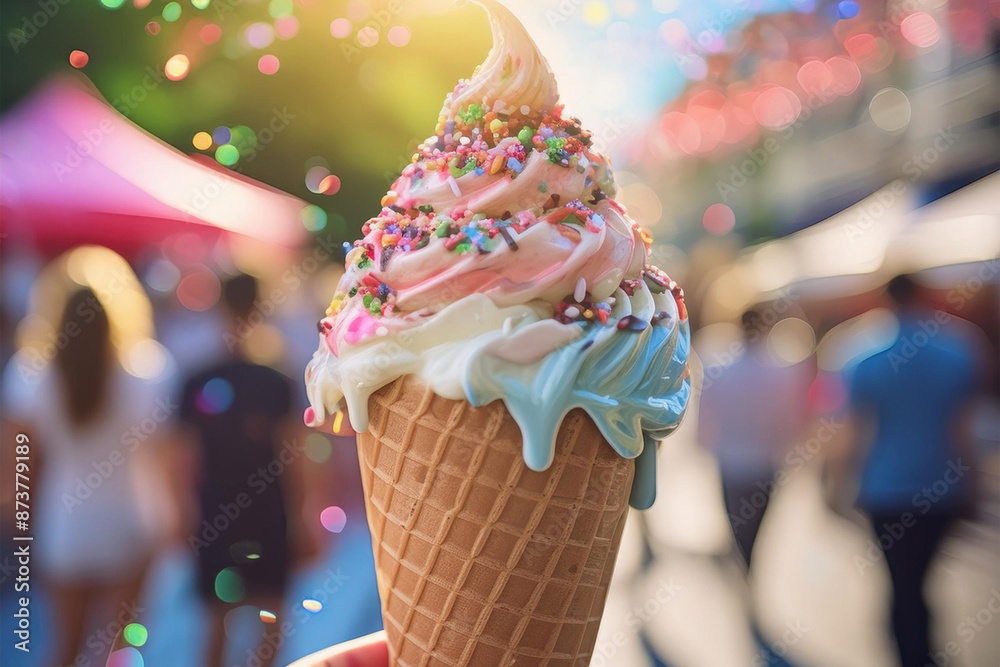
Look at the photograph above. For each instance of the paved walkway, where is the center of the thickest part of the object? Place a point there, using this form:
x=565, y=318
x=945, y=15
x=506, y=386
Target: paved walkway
x=687, y=606
x=820, y=589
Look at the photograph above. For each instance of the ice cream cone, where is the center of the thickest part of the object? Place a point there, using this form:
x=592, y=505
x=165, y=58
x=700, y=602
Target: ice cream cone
x=480, y=560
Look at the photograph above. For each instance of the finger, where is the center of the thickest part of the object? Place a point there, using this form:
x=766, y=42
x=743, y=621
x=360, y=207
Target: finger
x=368, y=651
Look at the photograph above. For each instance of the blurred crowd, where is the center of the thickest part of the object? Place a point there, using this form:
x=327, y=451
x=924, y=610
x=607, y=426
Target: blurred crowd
x=172, y=477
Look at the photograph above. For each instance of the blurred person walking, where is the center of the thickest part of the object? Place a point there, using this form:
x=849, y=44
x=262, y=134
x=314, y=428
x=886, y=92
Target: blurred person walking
x=102, y=506
x=906, y=409
x=240, y=420
x=750, y=414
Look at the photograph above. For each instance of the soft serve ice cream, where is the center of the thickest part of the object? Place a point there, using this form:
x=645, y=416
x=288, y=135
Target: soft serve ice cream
x=501, y=267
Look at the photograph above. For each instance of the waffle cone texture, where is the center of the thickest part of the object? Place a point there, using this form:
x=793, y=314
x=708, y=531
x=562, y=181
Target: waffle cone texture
x=480, y=560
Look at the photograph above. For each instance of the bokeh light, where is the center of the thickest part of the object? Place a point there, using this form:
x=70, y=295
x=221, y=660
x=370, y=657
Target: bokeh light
x=318, y=448
x=845, y=73
x=259, y=35
x=201, y=4
x=268, y=64
x=333, y=519
x=202, y=141
x=125, y=657
x=312, y=606
x=315, y=176
x=112, y=4
x=313, y=218
x=330, y=185
x=177, y=67
x=146, y=359
x=135, y=634
x=229, y=586
x=245, y=551
x=682, y=131
x=153, y=27
x=227, y=155
x=848, y=9
x=890, y=109
x=286, y=27
x=718, y=219
x=777, y=107
x=871, y=53
x=280, y=8
x=78, y=59
x=399, y=35
x=268, y=616
x=215, y=397
x=368, y=36
x=171, y=11
x=920, y=29
x=222, y=135
x=791, y=340
x=210, y=34
x=340, y=28
x=244, y=139
x=163, y=275
x=358, y=9
x=815, y=77
x=596, y=13
x=199, y=289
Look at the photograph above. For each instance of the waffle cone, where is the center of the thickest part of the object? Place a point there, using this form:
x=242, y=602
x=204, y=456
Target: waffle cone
x=480, y=560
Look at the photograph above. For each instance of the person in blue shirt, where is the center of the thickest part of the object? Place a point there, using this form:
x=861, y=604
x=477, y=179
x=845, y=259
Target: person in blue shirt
x=907, y=404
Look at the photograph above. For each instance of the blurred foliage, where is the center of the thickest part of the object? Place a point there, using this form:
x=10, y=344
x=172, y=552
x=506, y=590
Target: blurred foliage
x=362, y=109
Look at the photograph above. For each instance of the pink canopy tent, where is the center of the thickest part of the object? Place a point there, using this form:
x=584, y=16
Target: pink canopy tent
x=73, y=170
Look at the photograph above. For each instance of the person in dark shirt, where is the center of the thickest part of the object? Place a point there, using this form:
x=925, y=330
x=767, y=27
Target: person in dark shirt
x=238, y=413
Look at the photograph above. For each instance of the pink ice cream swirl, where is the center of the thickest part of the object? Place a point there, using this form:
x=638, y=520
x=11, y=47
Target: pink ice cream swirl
x=502, y=240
